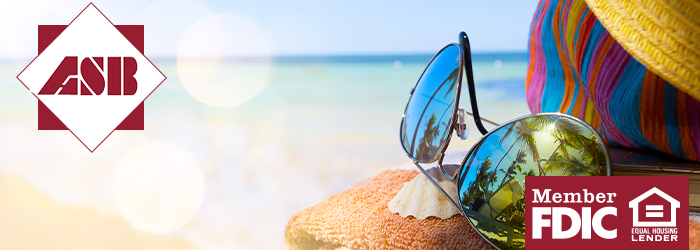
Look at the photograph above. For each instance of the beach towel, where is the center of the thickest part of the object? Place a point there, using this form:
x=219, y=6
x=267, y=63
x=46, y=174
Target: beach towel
x=578, y=67
x=359, y=218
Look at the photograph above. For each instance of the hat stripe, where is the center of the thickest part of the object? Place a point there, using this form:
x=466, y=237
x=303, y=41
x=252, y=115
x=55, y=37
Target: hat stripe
x=630, y=88
x=685, y=134
x=563, y=50
x=606, y=137
x=673, y=133
x=535, y=84
x=694, y=123
x=554, y=79
x=581, y=38
x=580, y=103
x=652, y=116
x=607, y=78
x=534, y=29
x=593, y=36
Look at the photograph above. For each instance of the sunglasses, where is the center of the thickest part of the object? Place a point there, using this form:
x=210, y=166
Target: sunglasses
x=490, y=180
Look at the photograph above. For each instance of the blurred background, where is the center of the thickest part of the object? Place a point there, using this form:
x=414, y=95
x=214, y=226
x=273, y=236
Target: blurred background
x=269, y=108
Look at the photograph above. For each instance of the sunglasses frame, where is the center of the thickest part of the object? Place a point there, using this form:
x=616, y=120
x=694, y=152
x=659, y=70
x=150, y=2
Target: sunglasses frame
x=466, y=65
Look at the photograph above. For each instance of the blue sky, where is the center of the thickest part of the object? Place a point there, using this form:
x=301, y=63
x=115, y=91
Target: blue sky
x=306, y=27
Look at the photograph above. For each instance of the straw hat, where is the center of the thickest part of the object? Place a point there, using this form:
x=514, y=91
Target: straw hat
x=664, y=35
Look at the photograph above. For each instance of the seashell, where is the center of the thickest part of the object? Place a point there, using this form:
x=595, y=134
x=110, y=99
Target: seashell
x=420, y=198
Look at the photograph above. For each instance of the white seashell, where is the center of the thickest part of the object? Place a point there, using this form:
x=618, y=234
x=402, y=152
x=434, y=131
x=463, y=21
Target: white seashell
x=420, y=198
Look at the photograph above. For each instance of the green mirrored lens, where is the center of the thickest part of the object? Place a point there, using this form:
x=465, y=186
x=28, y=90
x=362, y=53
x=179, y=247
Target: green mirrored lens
x=428, y=116
x=491, y=185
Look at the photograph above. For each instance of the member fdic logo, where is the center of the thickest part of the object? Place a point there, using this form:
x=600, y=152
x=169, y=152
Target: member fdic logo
x=584, y=212
x=91, y=77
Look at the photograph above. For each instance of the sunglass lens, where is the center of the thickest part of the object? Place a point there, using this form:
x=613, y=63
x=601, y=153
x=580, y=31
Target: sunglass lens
x=428, y=116
x=491, y=184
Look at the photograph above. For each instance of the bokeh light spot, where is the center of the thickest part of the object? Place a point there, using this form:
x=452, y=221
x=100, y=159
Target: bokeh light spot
x=497, y=63
x=223, y=61
x=397, y=64
x=158, y=187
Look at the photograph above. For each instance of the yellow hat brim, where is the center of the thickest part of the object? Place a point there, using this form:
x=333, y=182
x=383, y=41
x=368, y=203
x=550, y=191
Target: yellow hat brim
x=664, y=35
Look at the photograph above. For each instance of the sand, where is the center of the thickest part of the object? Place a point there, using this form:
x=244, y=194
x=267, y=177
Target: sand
x=30, y=219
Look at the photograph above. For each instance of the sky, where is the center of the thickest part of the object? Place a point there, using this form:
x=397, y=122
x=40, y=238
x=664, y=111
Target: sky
x=284, y=28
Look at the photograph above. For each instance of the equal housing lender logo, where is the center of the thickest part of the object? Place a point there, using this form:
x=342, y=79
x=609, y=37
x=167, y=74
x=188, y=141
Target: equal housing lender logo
x=607, y=212
x=91, y=77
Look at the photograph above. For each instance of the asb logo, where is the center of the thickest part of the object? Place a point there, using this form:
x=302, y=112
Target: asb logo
x=606, y=212
x=91, y=77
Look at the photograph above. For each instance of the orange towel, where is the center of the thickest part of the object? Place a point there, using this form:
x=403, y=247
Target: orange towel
x=359, y=218
x=694, y=235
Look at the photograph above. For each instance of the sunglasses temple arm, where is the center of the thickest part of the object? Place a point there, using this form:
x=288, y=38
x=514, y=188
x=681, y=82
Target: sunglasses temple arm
x=484, y=119
x=440, y=188
x=464, y=42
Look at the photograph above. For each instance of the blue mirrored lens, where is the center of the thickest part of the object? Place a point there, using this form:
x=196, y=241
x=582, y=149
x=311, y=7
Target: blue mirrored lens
x=428, y=116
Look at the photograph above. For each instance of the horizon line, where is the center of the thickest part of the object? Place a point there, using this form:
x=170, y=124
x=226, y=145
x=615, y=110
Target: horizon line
x=405, y=57
x=423, y=57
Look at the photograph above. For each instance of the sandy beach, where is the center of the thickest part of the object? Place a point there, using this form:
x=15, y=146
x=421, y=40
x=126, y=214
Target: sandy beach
x=29, y=219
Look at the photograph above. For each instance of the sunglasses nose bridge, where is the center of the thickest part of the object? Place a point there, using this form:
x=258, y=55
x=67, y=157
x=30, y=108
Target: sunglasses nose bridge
x=450, y=170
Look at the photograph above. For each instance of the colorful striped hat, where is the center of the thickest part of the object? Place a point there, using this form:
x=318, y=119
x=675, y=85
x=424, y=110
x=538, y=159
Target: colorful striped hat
x=664, y=35
x=629, y=69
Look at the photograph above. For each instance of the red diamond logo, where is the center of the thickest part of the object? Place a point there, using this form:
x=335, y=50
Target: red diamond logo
x=91, y=77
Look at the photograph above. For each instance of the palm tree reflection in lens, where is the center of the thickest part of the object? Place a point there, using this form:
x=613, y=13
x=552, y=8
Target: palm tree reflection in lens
x=427, y=147
x=493, y=196
x=429, y=144
x=433, y=104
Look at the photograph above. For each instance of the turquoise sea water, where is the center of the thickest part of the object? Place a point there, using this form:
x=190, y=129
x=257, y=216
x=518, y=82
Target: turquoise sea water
x=317, y=126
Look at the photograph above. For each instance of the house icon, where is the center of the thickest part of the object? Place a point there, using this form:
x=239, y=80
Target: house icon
x=654, y=210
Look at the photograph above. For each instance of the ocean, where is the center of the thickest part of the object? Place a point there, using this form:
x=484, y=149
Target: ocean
x=268, y=137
